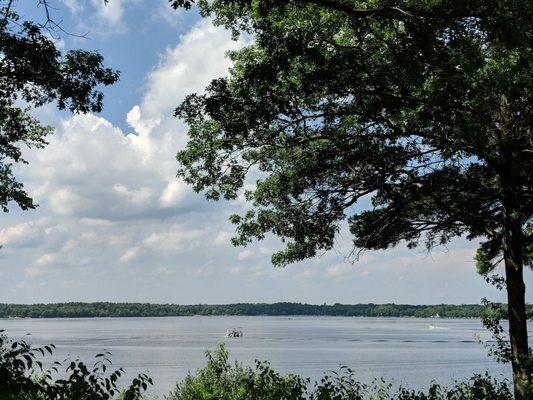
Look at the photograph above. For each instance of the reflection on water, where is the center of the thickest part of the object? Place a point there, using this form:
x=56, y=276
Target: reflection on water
x=408, y=350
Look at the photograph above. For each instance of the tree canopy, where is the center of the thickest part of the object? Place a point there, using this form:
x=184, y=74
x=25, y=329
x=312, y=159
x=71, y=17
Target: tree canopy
x=405, y=106
x=34, y=72
x=423, y=106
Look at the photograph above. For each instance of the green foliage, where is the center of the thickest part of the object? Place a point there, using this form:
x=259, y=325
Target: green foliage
x=22, y=376
x=35, y=73
x=220, y=380
x=423, y=105
x=88, y=310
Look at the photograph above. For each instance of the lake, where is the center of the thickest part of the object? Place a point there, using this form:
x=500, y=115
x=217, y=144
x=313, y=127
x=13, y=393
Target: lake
x=407, y=350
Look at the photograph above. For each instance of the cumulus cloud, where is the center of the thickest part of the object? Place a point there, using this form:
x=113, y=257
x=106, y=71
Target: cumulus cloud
x=45, y=259
x=130, y=254
x=245, y=255
x=111, y=12
x=173, y=192
x=19, y=234
x=186, y=68
x=111, y=197
x=235, y=270
x=341, y=269
x=223, y=238
x=74, y=6
x=93, y=170
x=32, y=272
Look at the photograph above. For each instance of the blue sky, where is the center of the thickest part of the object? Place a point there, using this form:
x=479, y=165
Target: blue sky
x=115, y=224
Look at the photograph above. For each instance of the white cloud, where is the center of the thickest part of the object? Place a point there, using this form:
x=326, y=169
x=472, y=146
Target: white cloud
x=364, y=273
x=111, y=12
x=139, y=197
x=45, y=259
x=74, y=6
x=130, y=254
x=65, y=201
x=173, y=241
x=163, y=12
x=187, y=68
x=19, y=234
x=32, y=272
x=223, y=238
x=68, y=246
x=163, y=271
x=173, y=192
x=168, y=242
x=245, y=255
x=341, y=269
x=95, y=222
x=93, y=170
x=235, y=270
x=307, y=273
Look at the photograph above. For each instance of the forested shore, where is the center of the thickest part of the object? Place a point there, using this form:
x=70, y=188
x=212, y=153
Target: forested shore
x=107, y=309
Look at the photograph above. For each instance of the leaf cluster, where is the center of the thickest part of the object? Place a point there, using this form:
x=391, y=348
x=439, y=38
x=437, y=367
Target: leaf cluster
x=33, y=73
x=22, y=376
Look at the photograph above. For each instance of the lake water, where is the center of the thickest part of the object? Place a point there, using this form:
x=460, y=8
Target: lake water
x=403, y=349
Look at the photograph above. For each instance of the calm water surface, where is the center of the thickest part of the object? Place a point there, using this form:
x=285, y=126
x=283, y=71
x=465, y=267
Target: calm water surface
x=403, y=349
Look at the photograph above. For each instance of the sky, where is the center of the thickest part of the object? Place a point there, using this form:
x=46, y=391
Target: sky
x=115, y=224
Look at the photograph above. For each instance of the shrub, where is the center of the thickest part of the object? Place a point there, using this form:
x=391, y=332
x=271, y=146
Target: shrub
x=220, y=380
x=22, y=376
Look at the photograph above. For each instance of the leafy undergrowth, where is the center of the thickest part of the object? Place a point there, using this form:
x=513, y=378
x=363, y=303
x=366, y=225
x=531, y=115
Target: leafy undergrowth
x=221, y=380
x=22, y=376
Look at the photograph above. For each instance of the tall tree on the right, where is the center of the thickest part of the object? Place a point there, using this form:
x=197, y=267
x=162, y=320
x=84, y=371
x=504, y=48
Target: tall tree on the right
x=423, y=105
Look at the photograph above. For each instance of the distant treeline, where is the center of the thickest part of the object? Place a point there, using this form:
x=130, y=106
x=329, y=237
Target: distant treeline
x=89, y=310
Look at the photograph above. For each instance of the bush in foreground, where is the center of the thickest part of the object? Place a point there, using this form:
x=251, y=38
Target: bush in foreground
x=22, y=376
x=221, y=380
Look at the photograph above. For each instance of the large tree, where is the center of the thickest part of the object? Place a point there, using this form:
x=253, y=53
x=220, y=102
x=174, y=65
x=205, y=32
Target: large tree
x=422, y=105
x=34, y=72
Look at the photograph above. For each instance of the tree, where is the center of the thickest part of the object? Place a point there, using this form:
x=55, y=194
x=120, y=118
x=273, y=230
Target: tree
x=33, y=72
x=424, y=106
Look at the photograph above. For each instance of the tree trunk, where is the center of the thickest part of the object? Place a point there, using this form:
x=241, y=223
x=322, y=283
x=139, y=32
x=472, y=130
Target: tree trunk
x=516, y=306
x=513, y=243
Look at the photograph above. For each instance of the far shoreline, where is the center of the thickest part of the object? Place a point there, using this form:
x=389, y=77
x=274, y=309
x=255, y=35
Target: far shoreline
x=282, y=309
x=235, y=315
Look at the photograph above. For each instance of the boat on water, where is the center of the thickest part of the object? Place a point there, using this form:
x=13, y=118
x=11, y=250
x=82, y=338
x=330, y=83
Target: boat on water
x=234, y=333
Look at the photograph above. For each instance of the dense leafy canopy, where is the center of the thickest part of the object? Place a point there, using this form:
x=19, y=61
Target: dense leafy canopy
x=33, y=72
x=425, y=106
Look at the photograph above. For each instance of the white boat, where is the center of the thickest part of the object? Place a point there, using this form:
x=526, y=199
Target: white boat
x=234, y=333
